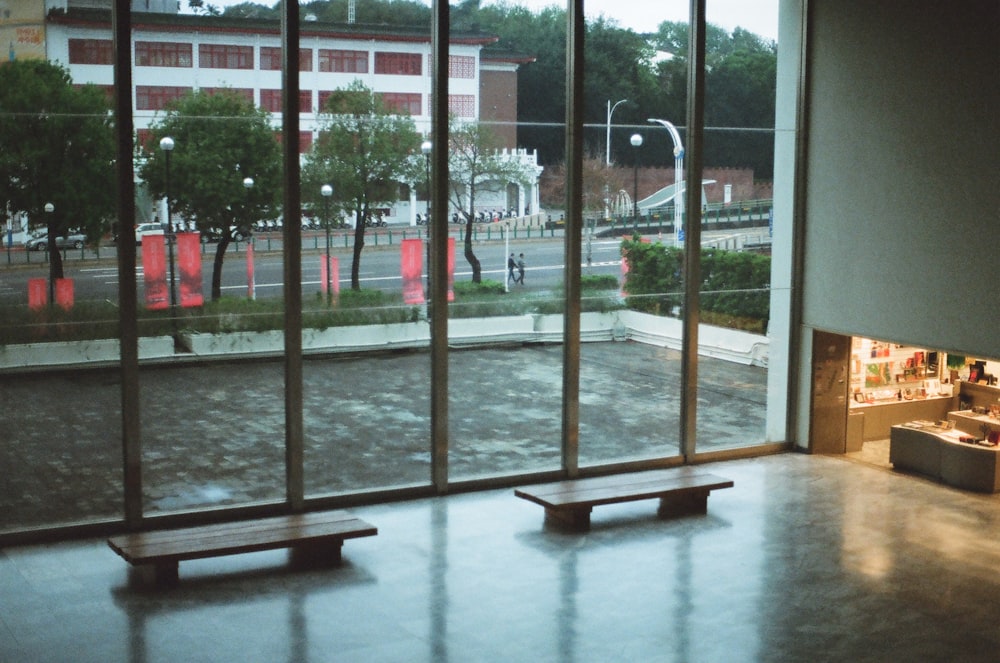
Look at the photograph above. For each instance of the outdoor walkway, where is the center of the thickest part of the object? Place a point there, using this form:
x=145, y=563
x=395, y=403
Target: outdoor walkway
x=213, y=433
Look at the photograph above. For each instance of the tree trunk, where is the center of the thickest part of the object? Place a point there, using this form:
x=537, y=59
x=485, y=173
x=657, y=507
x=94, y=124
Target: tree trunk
x=359, y=243
x=220, y=255
x=477, y=268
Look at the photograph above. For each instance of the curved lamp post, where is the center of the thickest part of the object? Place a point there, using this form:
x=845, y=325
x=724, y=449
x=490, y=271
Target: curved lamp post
x=167, y=145
x=678, y=180
x=636, y=141
x=326, y=191
x=607, y=142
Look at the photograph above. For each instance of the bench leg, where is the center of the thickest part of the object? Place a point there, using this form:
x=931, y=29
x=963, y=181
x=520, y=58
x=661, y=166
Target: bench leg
x=683, y=504
x=568, y=519
x=316, y=555
x=163, y=574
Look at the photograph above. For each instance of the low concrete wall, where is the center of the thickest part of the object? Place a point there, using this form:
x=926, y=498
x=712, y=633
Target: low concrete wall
x=69, y=353
x=727, y=344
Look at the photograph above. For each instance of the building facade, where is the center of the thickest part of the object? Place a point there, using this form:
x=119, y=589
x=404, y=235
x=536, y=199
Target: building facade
x=174, y=54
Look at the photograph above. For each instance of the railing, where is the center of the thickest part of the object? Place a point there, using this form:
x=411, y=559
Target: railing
x=536, y=226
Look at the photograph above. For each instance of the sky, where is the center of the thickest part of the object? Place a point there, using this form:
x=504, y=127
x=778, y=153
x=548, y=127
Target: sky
x=757, y=16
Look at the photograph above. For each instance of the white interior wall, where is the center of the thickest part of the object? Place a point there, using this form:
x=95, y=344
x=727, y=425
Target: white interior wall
x=901, y=229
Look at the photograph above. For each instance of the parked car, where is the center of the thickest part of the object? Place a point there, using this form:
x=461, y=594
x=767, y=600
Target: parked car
x=144, y=229
x=39, y=241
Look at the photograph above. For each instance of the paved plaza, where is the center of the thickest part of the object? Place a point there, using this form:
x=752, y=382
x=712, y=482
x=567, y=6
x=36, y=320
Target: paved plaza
x=213, y=433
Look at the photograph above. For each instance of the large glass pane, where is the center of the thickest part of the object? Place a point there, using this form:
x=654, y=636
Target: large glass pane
x=365, y=185
x=59, y=393
x=738, y=263
x=636, y=69
x=506, y=323
x=209, y=240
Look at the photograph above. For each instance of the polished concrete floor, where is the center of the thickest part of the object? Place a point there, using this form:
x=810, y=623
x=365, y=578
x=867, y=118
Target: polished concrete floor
x=806, y=558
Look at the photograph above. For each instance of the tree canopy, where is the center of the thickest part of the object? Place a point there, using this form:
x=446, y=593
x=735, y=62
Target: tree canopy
x=650, y=70
x=220, y=139
x=363, y=150
x=56, y=146
x=475, y=162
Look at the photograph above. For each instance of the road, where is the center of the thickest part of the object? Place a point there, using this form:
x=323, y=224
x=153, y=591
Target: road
x=97, y=280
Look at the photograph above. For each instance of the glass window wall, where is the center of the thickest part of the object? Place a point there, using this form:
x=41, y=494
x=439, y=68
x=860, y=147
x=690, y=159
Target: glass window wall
x=212, y=242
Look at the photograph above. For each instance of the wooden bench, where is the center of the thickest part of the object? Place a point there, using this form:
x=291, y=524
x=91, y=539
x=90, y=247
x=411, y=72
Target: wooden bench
x=568, y=503
x=313, y=537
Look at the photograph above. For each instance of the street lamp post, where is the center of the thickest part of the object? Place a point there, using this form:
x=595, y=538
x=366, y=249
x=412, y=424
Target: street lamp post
x=49, y=209
x=167, y=145
x=248, y=184
x=425, y=148
x=636, y=141
x=506, y=254
x=326, y=191
x=678, y=180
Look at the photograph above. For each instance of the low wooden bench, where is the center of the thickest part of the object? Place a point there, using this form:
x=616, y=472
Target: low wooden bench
x=312, y=537
x=568, y=503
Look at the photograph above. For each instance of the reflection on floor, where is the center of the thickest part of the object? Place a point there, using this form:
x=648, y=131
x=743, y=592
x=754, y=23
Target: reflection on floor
x=807, y=558
x=874, y=453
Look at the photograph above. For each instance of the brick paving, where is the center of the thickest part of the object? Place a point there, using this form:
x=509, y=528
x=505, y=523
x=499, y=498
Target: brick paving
x=213, y=434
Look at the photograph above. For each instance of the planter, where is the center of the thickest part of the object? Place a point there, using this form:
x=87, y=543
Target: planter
x=103, y=351
x=730, y=345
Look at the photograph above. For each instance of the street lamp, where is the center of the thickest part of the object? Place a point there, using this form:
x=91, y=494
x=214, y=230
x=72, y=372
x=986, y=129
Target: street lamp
x=607, y=149
x=678, y=180
x=167, y=145
x=248, y=184
x=636, y=141
x=326, y=191
x=425, y=148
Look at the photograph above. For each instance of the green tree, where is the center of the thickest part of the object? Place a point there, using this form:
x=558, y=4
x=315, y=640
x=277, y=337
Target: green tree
x=474, y=163
x=219, y=140
x=57, y=146
x=364, y=150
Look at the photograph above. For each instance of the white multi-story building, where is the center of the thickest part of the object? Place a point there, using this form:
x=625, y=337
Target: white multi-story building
x=175, y=53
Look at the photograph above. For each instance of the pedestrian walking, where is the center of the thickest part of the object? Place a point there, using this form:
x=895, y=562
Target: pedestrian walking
x=520, y=269
x=511, y=266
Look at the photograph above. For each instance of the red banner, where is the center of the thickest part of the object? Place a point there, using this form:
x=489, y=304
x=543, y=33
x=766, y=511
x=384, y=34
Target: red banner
x=154, y=271
x=38, y=293
x=251, y=283
x=411, y=265
x=333, y=269
x=64, y=293
x=189, y=264
x=451, y=269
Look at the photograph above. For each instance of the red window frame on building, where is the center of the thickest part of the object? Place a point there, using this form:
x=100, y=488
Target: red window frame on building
x=91, y=51
x=305, y=140
x=343, y=61
x=270, y=58
x=163, y=54
x=398, y=64
x=243, y=92
x=461, y=66
x=225, y=56
x=156, y=97
x=144, y=139
x=462, y=105
x=270, y=100
x=404, y=103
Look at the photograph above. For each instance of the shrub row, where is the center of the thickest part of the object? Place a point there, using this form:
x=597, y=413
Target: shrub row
x=735, y=286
